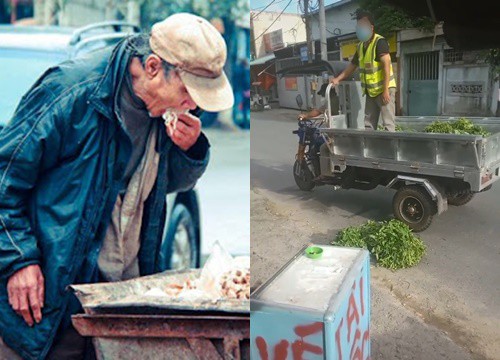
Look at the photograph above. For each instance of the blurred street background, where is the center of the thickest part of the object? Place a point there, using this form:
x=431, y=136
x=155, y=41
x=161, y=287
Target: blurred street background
x=223, y=191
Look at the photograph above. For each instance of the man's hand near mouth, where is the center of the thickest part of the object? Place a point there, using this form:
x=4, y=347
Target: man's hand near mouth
x=186, y=132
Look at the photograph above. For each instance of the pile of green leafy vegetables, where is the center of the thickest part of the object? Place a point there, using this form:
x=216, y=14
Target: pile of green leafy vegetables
x=461, y=126
x=392, y=242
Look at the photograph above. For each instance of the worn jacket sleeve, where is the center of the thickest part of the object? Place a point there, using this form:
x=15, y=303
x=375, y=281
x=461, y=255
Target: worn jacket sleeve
x=185, y=168
x=28, y=144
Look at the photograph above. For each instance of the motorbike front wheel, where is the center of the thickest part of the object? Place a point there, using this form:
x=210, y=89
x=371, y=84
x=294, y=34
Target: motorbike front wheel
x=303, y=176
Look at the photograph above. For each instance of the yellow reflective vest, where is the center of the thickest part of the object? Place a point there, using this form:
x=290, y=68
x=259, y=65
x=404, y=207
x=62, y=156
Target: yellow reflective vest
x=371, y=71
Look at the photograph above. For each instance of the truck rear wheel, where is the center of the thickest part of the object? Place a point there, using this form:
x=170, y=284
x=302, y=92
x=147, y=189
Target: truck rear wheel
x=414, y=206
x=461, y=199
x=303, y=176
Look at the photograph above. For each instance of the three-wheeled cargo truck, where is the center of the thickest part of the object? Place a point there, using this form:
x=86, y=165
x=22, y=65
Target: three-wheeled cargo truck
x=428, y=171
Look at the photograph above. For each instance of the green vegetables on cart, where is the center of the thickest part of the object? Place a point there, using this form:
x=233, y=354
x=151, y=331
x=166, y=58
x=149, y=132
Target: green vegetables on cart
x=461, y=126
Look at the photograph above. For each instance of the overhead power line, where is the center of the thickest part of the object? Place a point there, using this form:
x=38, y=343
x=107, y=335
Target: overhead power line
x=265, y=7
x=260, y=12
x=281, y=13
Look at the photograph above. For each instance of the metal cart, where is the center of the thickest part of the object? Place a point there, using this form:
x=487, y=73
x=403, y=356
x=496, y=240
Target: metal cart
x=126, y=326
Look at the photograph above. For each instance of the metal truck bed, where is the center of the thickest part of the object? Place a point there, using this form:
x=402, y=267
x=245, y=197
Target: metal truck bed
x=473, y=158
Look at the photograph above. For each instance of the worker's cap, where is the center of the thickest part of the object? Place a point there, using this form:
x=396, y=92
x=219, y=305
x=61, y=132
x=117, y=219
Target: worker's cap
x=198, y=51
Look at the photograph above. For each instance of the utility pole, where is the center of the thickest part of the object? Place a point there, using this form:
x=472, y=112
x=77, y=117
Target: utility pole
x=308, y=31
x=253, y=49
x=322, y=30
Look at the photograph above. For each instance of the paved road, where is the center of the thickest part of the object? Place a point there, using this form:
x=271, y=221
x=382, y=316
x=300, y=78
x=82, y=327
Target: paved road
x=456, y=287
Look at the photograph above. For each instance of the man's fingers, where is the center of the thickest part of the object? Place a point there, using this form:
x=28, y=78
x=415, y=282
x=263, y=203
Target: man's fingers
x=170, y=129
x=41, y=291
x=26, y=292
x=189, y=119
x=34, y=301
x=24, y=307
x=186, y=132
x=178, y=139
x=184, y=129
x=179, y=134
x=10, y=293
x=14, y=300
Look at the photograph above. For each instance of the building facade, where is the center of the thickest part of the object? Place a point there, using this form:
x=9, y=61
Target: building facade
x=339, y=17
x=339, y=21
x=272, y=31
x=438, y=80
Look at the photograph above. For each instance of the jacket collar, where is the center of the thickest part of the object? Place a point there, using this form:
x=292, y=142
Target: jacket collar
x=104, y=96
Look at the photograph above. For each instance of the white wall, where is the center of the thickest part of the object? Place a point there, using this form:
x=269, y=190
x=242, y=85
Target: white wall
x=286, y=23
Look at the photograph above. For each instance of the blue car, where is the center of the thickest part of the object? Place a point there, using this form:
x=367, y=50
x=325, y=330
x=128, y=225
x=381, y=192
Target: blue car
x=26, y=52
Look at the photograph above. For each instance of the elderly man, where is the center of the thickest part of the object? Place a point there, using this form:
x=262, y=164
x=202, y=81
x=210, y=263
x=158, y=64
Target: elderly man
x=377, y=79
x=85, y=165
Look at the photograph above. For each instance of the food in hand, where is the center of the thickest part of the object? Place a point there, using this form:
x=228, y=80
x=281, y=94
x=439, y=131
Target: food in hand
x=171, y=116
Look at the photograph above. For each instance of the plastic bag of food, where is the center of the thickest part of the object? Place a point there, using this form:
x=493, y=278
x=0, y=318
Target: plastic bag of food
x=218, y=263
x=222, y=277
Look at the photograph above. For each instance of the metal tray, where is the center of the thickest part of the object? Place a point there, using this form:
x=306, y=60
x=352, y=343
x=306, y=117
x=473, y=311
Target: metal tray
x=128, y=297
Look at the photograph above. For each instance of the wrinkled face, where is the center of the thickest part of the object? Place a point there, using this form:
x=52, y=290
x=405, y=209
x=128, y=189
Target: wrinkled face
x=163, y=91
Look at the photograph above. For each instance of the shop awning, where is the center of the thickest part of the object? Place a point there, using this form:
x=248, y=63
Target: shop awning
x=262, y=60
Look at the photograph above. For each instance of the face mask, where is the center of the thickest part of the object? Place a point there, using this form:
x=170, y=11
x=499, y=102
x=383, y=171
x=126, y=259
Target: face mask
x=363, y=33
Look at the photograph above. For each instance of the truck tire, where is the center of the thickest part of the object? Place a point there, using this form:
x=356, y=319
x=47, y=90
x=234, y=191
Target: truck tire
x=304, y=179
x=414, y=206
x=461, y=199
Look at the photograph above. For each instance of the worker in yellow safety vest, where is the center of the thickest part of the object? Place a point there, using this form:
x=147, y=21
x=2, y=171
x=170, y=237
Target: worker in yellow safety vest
x=377, y=79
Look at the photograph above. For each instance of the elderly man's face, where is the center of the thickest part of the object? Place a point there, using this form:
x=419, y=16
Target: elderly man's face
x=162, y=91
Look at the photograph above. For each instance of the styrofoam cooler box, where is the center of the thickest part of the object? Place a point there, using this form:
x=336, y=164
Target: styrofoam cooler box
x=314, y=308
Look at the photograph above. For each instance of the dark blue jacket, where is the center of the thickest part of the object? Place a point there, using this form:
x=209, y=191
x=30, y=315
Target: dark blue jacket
x=62, y=159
